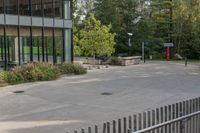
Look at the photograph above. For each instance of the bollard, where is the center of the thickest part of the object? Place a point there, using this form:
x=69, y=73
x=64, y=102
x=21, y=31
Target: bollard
x=186, y=61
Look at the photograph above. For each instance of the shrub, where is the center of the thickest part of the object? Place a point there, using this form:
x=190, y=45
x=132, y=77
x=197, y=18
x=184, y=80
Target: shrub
x=78, y=70
x=38, y=72
x=33, y=72
x=3, y=78
x=48, y=71
x=69, y=68
x=115, y=61
x=15, y=76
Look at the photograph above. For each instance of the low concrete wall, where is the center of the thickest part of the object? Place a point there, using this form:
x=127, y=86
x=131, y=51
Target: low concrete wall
x=87, y=60
x=127, y=61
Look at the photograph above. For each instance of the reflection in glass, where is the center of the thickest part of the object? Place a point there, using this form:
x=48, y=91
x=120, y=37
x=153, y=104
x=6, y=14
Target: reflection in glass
x=1, y=45
x=11, y=6
x=59, y=45
x=58, y=8
x=48, y=44
x=12, y=44
x=1, y=7
x=36, y=8
x=25, y=44
x=37, y=44
x=24, y=8
x=48, y=8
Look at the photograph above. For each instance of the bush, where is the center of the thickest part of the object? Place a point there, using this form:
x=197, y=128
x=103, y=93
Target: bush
x=3, y=78
x=38, y=72
x=69, y=68
x=15, y=76
x=49, y=71
x=78, y=70
x=115, y=61
x=33, y=72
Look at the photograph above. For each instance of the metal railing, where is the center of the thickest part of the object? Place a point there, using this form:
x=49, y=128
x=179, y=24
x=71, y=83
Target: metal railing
x=181, y=117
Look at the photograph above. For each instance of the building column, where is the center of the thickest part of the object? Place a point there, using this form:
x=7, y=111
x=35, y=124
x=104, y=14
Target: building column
x=16, y=52
x=67, y=32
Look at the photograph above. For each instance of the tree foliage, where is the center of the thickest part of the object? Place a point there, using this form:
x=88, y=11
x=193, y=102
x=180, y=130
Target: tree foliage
x=153, y=22
x=95, y=38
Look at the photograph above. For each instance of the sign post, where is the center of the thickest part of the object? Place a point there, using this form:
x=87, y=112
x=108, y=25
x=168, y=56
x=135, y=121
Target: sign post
x=168, y=54
x=168, y=46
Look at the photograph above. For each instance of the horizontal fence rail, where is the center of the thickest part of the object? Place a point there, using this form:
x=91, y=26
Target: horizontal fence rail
x=181, y=117
x=168, y=123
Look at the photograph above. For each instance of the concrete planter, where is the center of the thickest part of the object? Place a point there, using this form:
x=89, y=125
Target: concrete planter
x=128, y=61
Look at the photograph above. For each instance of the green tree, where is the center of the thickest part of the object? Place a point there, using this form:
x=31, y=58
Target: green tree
x=95, y=38
x=77, y=50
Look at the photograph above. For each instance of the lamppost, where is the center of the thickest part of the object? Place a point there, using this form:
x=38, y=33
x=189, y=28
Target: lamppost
x=129, y=42
x=143, y=56
x=143, y=51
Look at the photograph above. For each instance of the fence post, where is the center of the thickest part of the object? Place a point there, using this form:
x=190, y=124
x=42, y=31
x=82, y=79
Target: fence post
x=114, y=126
x=96, y=128
x=181, y=122
x=135, y=123
x=82, y=131
x=130, y=123
x=104, y=128
x=125, y=125
x=89, y=130
x=108, y=127
x=119, y=126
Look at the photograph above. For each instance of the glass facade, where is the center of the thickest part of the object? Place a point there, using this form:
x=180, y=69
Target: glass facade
x=24, y=7
x=11, y=7
x=35, y=31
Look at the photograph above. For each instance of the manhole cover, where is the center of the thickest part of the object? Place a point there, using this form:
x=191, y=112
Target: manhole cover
x=106, y=93
x=18, y=92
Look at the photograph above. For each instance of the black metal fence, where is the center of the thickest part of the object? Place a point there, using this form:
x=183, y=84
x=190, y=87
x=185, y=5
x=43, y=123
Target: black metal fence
x=182, y=117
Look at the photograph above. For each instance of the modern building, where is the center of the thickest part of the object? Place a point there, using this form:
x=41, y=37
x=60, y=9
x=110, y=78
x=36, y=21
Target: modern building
x=35, y=31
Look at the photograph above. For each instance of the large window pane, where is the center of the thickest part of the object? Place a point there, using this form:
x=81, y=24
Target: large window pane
x=36, y=8
x=48, y=8
x=11, y=6
x=37, y=44
x=25, y=44
x=12, y=45
x=1, y=7
x=59, y=45
x=48, y=44
x=58, y=8
x=24, y=7
x=2, y=57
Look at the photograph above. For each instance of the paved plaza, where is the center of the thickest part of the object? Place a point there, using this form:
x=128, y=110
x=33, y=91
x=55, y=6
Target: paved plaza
x=73, y=102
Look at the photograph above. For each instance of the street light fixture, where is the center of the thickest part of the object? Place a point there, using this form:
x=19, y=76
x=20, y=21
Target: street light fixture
x=130, y=34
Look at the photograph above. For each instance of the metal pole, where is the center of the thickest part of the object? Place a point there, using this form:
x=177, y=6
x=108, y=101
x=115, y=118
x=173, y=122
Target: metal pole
x=143, y=52
x=186, y=61
x=129, y=43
